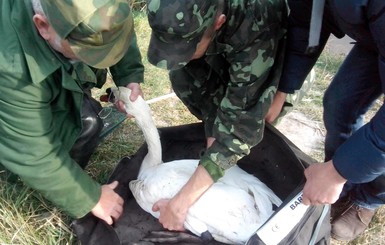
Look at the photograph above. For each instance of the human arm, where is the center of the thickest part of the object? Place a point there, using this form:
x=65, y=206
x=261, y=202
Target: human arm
x=298, y=62
x=173, y=212
x=37, y=134
x=361, y=158
x=276, y=106
x=231, y=111
x=36, y=148
x=238, y=121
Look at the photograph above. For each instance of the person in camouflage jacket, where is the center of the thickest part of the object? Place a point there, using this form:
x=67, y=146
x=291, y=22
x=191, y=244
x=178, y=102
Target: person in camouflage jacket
x=224, y=58
x=51, y=54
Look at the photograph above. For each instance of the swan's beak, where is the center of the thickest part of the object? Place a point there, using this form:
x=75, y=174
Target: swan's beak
x=108, y=96
x=114, y=94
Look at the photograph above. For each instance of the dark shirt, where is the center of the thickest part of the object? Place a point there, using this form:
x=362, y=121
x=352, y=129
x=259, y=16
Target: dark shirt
x=362, y=157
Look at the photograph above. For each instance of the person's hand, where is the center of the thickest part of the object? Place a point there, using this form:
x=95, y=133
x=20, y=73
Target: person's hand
x=110, y=205
x=136, y=91
x=171, y=217
x=276, y=107
x=323, y=184
x=173, y=212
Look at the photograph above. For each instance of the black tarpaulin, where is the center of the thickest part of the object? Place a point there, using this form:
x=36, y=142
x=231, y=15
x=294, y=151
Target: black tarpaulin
x=275, y=161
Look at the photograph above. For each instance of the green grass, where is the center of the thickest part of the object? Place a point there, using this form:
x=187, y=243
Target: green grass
x=26, y=218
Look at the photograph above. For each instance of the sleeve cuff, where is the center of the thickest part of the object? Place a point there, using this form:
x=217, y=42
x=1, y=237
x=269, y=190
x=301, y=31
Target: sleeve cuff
x=214, y=170
x=360, y=159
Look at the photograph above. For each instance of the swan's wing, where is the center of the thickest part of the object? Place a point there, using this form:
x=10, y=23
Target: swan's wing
x=227, y=212
x=161, y=182
x=263, y=196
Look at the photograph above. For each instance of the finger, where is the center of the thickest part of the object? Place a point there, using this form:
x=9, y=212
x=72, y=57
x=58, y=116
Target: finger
x=134, y=92
x=118, y=209
x=306, y=201
x=156, y=207
x=115, y=214
x=120, y=106
x=113, y=185
x=120, y=201
x=134, y=96
x=306, y=173
x=175, y=227
x=179, y=228
x=108, y=220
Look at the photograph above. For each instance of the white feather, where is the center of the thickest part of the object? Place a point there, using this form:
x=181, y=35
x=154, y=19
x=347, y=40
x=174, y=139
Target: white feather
x=232, y=209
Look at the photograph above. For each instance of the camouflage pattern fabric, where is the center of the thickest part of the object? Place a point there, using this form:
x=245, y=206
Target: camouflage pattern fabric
x=179, y=26
x=232, y=87
x=99, y=32
x=292, y=100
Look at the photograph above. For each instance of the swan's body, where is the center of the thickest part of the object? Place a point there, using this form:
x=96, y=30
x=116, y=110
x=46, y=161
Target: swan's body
x=232, y=209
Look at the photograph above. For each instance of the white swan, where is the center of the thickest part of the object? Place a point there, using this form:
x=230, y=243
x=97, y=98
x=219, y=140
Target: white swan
x=232, y=209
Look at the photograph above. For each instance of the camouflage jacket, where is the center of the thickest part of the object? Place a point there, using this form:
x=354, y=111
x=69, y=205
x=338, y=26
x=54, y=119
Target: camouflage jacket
x=40, y=110
x=250, y=41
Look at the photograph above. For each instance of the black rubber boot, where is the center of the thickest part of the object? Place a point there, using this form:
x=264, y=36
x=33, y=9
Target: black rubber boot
x=89, y=138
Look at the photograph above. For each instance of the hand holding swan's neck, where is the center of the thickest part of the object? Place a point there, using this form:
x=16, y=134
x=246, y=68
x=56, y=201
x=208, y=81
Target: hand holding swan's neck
x=142, y=113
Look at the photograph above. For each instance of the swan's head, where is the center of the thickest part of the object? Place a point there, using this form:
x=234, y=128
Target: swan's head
x=135, y=108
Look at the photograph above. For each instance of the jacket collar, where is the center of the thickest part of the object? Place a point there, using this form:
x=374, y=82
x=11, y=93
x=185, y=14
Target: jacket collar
x=41, y=60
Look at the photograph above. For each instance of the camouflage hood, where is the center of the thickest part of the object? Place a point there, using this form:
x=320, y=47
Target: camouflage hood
x=99, y=32
x=177, y=28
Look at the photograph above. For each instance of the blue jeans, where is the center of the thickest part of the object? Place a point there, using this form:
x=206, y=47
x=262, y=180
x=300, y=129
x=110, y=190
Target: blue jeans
x=349, y=96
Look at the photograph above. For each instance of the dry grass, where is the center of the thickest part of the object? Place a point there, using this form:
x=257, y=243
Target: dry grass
x=26, y=218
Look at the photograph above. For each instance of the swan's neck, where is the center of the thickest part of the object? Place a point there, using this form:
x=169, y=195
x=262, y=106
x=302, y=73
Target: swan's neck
x=151, y=136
